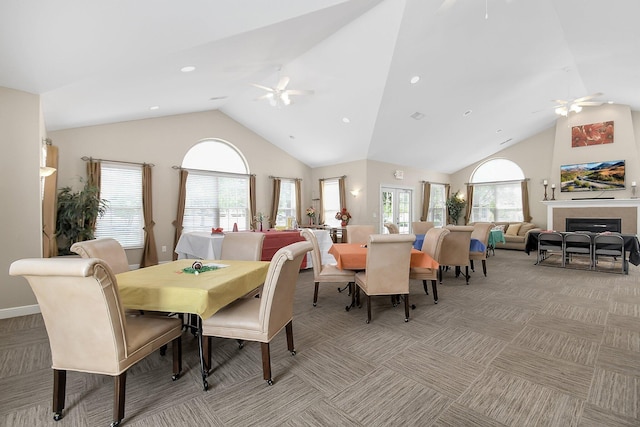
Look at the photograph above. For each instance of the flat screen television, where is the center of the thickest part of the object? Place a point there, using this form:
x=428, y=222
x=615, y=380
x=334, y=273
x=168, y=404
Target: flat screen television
x=593, y=176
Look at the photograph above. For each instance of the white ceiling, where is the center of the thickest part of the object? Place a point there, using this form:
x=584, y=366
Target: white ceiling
x=505, y=60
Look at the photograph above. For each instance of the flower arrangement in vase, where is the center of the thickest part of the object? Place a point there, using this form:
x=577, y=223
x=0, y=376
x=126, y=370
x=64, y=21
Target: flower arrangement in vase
x=344, y=216
x=311, y=213
x=260, y=217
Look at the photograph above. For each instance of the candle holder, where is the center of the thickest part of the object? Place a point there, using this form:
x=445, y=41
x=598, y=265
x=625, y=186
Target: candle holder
x=545, y=192
x=553, y=192
x=633, y=190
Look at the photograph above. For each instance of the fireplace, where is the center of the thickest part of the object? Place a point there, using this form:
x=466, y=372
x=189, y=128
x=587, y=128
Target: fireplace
x=595, y=225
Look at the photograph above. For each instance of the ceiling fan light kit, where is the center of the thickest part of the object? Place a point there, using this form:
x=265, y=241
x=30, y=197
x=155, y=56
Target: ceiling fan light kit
x=280, y=96
x=565, y=107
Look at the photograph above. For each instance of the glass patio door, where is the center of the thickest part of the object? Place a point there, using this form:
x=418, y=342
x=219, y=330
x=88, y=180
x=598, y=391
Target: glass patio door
x=396, y=207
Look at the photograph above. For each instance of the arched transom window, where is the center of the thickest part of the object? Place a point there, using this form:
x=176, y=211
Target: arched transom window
x=497, y=191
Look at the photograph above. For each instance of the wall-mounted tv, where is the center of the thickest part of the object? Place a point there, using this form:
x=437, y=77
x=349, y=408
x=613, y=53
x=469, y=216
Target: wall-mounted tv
x=593, y=176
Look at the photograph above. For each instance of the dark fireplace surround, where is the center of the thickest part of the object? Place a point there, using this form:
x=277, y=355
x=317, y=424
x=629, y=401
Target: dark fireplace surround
x=594, y=225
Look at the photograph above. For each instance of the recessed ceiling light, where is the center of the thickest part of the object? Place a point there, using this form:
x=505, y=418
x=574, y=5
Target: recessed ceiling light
x=499, y=130
x=187, y=69
x=155, y=107
x=346, y=120
x=467, y=113
x=414, y=79
x=292, y=137
x=417, y=115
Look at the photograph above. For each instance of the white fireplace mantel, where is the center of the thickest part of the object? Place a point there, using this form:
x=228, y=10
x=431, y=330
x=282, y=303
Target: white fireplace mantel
x=589, y=203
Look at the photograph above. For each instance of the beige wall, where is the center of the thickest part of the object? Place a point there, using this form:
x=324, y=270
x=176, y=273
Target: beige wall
x=164, y=142
x=20, y=224
x=540, y=156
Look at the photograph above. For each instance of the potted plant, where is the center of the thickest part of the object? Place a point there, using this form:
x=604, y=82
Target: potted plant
x=455, y=206
x=77, y=215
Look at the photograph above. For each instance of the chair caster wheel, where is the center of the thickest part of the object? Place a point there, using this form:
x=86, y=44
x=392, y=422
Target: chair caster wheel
x=57, y=416
x=175, y=377
x=205, y=385
x=293, y=352
x=367, y=321
x=435, y=302
x=406, y=320
x=314, y=304
x=115, y=423
x=269, y=381
x=347, y=308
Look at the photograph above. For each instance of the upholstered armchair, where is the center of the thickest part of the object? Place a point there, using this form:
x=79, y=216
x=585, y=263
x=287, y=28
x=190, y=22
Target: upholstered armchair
x=421, y=227
x=109, y=250
x=387, y=273
x=260, y=319
x=87, y=327
x=481, y=231
x=392, y=228
x=324, y=273
x=431, y=245
x=359, y=233
x=455, y=249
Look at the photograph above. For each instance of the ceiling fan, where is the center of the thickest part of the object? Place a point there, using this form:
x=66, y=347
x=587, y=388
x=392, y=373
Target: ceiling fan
x=563, y=108
x=281, y=96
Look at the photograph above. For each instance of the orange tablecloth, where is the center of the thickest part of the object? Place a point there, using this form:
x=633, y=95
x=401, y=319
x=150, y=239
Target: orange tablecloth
x=352, y=256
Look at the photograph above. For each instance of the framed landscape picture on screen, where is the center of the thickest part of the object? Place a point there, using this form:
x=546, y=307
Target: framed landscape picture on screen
x=592, y=176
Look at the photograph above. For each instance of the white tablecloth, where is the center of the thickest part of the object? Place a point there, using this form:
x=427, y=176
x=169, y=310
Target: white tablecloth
x=324, y=242
x=199, y=245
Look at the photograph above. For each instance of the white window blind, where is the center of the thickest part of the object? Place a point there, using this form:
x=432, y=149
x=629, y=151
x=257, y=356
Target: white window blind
x=331, y=202
x=437, y=205
x=216, y=200
x=287, y=202
x=121, y=187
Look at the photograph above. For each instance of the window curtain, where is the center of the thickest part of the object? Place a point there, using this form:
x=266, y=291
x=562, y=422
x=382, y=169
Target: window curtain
x=469, y=206
x=321, y=204
x=299, y=201
x=182, y=195
x=252, y=201
x=343, y=192
x=149, y=252
x=526, y=213
x=274, y=202
x=49, y=204
x=447, y=194
x=93, y=179
x=426, y=200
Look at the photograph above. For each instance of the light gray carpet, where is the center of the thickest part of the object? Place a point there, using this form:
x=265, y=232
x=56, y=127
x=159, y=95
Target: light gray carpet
x=526, y=346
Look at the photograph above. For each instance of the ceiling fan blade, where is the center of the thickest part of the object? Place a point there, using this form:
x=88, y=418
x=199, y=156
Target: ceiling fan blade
x=446, y=4
x=298, y=92
x=589, y=103
x=262, y=87
x=265, y=96
x=282, y=84
x=588, y=97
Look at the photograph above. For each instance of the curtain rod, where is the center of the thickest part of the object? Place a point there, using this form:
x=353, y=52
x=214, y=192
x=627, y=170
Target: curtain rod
x=87, y=159
x=212, y=171
x=433, y=182
x=334, y=177
x=282, y=177
x=496, y=182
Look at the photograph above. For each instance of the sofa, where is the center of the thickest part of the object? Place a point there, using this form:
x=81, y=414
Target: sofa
x=515, y=234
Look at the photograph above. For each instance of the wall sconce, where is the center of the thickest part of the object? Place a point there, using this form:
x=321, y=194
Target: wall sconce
x=355, y=193
x=633, y=189
x=46, y=171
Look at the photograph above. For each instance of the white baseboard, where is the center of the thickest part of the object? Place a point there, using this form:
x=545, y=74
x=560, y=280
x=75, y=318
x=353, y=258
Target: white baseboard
x=7, y=313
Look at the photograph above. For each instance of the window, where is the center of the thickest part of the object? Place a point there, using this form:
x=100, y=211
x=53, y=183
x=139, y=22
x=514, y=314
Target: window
x=217, y=187
x=121, y=187
x=331, y=202
x=497, y=194
x=287, y=202
x=437, y=205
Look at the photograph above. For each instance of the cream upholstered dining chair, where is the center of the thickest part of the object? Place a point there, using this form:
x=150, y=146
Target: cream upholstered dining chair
x=243, y=246
x=481, y=231
x=359, y=233
x=109, y=250
x=431, y=245
x=455, y=249
x=87, y=327
x=421, y=227
x=260, y=319
x=392, y=228
x=387, y=268
x=324, y=273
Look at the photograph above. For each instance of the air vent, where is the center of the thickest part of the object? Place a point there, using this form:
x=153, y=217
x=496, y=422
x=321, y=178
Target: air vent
x=508, y=140
x=217, y=98
x=417, y=116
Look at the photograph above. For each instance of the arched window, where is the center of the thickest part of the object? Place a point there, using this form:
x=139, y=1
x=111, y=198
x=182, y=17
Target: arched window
x=497, y=191
x=217, y=187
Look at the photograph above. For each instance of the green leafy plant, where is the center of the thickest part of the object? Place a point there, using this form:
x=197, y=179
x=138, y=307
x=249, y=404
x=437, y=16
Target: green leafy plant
x=455, y=206
x=77, y=215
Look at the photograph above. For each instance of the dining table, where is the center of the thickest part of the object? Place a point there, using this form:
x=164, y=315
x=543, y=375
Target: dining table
x=176, y=287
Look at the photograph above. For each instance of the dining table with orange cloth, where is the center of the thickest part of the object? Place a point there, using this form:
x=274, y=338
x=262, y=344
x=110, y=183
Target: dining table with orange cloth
x=353, y=256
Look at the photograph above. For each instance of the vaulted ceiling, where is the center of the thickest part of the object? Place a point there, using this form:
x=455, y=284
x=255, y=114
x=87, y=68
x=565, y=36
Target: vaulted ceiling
x=489, y=69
